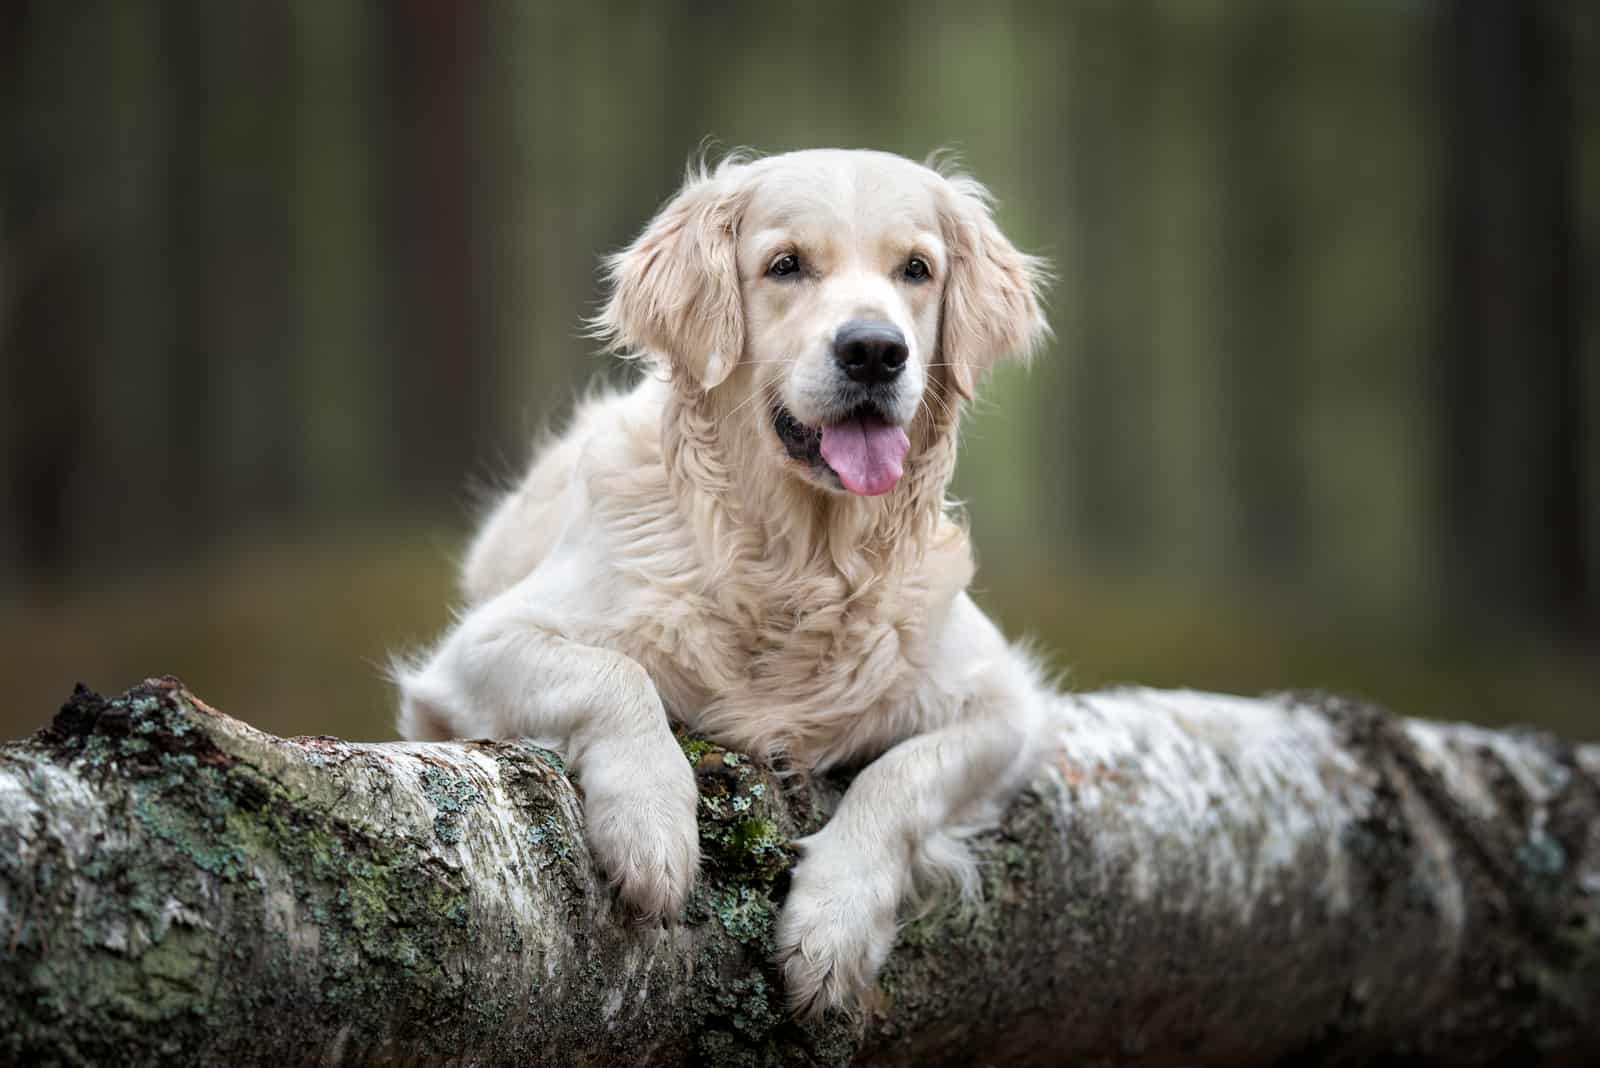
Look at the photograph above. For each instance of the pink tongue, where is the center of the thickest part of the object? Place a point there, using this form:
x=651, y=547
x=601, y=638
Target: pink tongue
x=866, y=453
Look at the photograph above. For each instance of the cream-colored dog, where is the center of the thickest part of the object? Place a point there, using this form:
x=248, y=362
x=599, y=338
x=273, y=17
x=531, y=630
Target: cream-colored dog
x=755, y=542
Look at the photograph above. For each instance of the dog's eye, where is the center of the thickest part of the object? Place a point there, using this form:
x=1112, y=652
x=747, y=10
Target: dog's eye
x=916, y=269
x=784, y=266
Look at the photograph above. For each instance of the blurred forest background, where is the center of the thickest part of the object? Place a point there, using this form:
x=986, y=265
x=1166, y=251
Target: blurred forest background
x=282, y=281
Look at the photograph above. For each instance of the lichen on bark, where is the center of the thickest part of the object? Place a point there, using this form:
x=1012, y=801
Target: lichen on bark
x=1191, y=878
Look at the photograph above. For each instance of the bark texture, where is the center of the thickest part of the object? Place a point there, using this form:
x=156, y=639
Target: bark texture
x=1191, y=879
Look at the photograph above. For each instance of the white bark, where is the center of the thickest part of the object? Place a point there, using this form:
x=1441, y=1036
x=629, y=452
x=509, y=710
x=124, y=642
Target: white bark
x=1192, y=879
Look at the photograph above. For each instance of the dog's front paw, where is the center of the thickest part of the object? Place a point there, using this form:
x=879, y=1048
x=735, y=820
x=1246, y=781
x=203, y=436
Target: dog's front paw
x=642, y=831
x=836, y=928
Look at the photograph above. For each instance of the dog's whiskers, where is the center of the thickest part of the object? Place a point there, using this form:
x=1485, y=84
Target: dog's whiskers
x=769, y=391
x=935, y=394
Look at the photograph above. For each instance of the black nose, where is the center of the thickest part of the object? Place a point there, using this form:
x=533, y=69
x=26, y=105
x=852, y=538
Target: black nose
x=870, y=350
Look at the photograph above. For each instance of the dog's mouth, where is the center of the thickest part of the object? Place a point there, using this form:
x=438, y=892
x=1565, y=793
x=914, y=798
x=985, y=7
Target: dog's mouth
x=864, y=451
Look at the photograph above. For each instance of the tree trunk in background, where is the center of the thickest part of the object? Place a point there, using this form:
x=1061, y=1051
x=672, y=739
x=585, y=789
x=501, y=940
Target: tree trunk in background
x=1110, y=440
x=1193, y=879
x=437, y=353
x=1265, y=512
x=45, y=315
x=191, y=476
x=14, y=19
x=237, y=364
x=1511, y=453
x=336, y=184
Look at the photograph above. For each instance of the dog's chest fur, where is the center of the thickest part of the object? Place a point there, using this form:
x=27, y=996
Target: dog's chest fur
x=755, y=635
x=790, y=674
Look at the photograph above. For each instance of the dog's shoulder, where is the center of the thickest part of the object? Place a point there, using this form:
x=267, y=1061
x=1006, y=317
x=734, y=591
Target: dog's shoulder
x=610, y=450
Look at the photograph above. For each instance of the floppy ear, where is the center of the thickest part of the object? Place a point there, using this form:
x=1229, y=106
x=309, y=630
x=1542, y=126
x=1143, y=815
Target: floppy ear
x=675, y=290
x=991, y=298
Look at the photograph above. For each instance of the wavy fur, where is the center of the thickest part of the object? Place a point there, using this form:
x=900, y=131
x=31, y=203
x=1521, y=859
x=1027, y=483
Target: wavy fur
x=664, y=557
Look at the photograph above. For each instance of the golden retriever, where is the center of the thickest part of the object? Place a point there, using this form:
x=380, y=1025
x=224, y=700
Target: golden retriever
x=755, y=542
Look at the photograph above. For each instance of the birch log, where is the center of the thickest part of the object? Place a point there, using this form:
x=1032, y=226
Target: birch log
x=1192, y=879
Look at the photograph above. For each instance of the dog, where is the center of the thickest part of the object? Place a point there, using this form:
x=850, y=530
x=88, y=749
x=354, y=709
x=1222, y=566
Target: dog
x=755, y=542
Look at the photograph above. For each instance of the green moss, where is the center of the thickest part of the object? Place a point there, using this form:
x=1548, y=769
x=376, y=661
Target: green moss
x=451, y=796
x=338, y=927
x=201, y=830
x=176, y=969
x=549, y=836
x=741, y=833
x=745, y=913
x=216, y=828
x=695, y=748
x=549, y=756
x=758, y=839
x=750, y=1007
x=1542, y=856
x=723, y=1048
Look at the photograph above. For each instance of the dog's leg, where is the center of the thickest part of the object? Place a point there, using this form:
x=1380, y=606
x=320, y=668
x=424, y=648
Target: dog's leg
x=501, y=673
x=893, y=830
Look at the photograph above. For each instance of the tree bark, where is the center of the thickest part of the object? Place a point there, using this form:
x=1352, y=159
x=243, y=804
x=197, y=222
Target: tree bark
x=1191, y=879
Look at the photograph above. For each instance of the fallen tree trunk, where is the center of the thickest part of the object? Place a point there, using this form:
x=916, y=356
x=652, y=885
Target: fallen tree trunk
x=1192, y=879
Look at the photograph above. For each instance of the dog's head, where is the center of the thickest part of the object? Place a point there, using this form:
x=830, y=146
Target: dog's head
x=824, y=302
